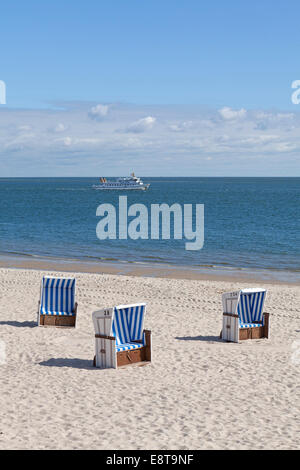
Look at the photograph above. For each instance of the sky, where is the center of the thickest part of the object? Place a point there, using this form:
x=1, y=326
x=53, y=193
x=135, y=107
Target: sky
x=192, y=88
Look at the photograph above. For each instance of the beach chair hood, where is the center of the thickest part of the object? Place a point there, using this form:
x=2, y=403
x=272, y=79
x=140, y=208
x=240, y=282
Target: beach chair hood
x=248, y=304
x=57, y=296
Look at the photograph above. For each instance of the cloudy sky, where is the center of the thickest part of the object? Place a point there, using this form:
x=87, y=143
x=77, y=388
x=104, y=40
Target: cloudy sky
x=112, y=139
x=162, y=88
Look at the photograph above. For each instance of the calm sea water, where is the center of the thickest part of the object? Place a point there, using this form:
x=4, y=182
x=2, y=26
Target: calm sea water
x=249, y=222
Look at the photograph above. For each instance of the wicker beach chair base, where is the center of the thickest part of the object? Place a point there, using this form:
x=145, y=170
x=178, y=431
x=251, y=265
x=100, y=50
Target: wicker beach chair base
x=254, y=333
x=63, y=321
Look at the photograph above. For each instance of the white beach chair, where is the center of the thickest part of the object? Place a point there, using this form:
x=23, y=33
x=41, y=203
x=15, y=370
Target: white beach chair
x=119, y=336
x=243, y=316
x=57, y=306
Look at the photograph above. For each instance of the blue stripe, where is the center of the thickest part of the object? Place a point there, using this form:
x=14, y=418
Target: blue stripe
x=253, y=302
x=126, y=332
x=115, y=328
x=72, y=300
x=121, y=326
x=118, y=327
x=137, y=323
x=140, y=324
x=248, y=308
x=58, y=296
x=42, y=295
x=260, y=308
x=51, y=294
x=131, y=321
x=66, y=295
x=256, y=304
x=46, y=296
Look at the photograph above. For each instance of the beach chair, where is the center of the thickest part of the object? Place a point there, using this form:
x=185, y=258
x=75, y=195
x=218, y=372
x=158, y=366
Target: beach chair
x=119, y=336
x=243, y=316
x=57, y=306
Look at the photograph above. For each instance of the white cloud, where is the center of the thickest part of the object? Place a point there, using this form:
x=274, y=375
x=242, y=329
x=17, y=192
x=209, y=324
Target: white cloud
x=229, y=114
x=24, y=128
x=266, y=120
x=141, y=125
x=99, y=112
x=67, y=141
x=60, y=127
x=181, y=126
x=275, y=117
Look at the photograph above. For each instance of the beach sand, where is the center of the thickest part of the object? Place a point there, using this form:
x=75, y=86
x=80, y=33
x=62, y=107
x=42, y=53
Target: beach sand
x=198, y=393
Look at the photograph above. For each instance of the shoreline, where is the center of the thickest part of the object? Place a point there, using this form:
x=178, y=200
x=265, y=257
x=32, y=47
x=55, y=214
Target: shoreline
x=152, y=270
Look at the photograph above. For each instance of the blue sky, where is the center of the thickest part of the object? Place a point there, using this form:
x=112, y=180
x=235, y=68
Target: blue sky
x=150, y=71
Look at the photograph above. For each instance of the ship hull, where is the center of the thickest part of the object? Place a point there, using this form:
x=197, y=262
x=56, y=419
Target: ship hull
x=121, y=188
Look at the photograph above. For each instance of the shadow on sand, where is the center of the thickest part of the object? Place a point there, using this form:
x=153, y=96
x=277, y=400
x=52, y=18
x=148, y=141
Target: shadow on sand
x=20, y=324
x=208, y=339
x=66, y=362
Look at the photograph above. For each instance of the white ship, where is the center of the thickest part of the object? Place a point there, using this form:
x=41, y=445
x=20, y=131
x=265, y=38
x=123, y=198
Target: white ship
x=131, y=182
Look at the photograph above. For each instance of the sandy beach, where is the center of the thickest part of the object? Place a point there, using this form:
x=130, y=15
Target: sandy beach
x=198, y=393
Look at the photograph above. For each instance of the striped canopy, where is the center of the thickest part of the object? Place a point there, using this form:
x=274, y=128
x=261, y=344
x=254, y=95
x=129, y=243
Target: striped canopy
x=57, y=296
x=250, y=307
x=127, y=326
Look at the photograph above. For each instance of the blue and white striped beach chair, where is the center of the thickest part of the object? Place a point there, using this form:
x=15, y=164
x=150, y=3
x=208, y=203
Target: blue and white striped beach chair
x=243, y=315
x=120, y=338
x=57, y=306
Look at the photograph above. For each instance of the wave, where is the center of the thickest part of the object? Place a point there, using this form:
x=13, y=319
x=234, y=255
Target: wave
x=146, y=260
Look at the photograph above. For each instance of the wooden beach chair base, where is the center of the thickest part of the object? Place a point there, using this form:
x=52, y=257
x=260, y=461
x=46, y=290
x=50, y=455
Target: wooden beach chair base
x=133, y=356
x=63, y=321
x=244, y=333
x=59, y=321
x=252, y=333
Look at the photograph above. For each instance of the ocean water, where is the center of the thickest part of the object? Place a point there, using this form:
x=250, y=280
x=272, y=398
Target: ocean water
x=250, y=223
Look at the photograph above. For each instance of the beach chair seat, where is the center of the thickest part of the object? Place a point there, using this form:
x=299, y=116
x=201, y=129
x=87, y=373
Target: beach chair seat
x=243, y=315
x=249, y=325
x=119, y=336
x=128, y=346
x=57, y=306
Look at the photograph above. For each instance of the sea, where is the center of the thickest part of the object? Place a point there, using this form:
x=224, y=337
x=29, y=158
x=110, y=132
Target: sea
x=249, y=223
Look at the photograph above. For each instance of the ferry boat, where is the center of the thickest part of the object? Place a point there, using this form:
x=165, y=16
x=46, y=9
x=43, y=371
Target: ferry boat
x=130, y=182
